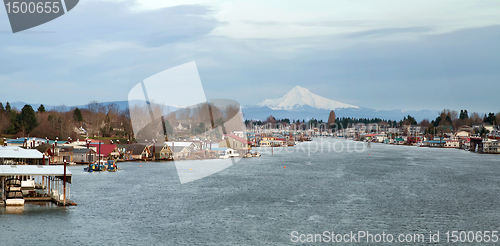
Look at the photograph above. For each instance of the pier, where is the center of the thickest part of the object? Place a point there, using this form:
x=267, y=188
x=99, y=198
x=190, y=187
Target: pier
x=33, y=183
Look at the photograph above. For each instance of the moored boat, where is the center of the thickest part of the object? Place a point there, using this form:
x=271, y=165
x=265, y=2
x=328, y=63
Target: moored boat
x=14, y=202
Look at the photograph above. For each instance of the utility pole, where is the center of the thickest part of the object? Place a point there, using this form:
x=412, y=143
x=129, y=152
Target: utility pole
x=64, y=184
x=99, y=162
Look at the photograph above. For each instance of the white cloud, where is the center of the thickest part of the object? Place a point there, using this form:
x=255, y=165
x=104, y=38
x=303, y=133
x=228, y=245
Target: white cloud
x=290, y=19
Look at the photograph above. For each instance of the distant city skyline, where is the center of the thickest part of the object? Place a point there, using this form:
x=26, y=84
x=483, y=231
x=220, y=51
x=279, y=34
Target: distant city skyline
x=382, y=55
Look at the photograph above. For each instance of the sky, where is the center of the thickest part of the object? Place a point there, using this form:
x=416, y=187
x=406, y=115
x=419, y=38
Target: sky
x=375, y=54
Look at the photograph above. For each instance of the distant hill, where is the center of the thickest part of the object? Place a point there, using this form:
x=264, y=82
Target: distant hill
x=19, y=105
x=298, y=103
x=261, y=113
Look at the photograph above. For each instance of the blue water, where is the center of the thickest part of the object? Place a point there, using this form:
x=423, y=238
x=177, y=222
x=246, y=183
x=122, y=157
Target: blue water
x=257, y=201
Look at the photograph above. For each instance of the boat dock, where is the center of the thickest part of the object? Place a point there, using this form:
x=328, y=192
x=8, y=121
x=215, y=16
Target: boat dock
x=34, y=183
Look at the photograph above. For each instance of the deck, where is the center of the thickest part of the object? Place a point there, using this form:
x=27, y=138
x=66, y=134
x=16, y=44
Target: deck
x=50, y=199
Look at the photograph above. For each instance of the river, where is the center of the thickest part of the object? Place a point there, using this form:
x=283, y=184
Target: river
x=257, y=201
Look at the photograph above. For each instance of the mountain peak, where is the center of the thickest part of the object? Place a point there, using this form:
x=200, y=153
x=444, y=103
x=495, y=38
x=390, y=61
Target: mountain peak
x=299, y=97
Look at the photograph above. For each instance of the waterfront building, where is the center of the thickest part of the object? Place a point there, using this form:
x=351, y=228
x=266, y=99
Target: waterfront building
x=26, y=183
x=12, y=155
x=236, y=143
x=137, y=151
x=84, y=155
x=26, y=142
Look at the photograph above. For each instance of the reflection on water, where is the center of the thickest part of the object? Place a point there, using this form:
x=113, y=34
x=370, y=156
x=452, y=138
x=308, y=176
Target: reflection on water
x=396, y=189
x=13, y=210
x=31, y=207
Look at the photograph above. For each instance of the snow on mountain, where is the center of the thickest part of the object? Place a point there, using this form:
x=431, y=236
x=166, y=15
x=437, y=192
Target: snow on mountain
x=299, y=97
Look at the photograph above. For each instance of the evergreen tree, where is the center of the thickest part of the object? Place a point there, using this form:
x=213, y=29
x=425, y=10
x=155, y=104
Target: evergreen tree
x=7, y=107
x=463, y=115
x=41, y=109
x=26, y=120
x=1, y=107
x=77, y=115
x=490, y=118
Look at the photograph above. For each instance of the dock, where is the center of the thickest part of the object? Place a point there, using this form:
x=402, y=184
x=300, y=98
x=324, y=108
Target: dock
x=35, y=183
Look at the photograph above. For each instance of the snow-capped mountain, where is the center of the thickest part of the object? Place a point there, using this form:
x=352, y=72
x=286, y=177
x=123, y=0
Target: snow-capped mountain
x=300, y=103
x=299, y=97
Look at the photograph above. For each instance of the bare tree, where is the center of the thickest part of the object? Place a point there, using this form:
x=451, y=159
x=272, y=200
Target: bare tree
x=95, y=117
x=476, y=118
x=424, y=124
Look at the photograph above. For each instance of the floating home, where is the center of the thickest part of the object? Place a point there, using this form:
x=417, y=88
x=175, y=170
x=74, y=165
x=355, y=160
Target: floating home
x=25, y=178
x=34, y=183
x=13, y=155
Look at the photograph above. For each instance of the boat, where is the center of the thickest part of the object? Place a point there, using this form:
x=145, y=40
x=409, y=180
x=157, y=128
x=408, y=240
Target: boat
x=102, y=165
x=14, y=202
x=14, y=194
x=111, y=166
x=248, y=155
x=228, y=153
x=28, y=185
x=256, y=154
x=96, y=167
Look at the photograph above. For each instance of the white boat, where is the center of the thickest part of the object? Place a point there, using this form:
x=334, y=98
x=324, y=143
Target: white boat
x=14, y=202
x=29, y=183
x=228, y=153
x=229, y=156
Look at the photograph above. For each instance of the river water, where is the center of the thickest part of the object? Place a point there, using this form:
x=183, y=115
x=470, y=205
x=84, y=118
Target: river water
x=385, y=188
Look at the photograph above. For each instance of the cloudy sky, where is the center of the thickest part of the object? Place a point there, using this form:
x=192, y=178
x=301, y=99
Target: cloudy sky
x=374, y=54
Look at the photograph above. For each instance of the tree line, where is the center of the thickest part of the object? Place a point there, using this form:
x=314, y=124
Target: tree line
x=448, y=120
x=96, y=119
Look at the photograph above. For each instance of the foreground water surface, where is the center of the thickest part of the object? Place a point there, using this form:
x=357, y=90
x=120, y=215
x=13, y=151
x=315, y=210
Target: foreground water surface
x=396, y=189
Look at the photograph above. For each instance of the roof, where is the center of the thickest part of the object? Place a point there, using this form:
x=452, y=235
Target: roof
x=21, y=140
x=81, y=151
x=44, y=147
x=136, y=148
x=16, y=152
x=434, y=141
x=159, y=145
x=106, y=149
x=17, y=141
x=175, y=144
x=178, y=149
x=58, y=171
x=237, y=138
